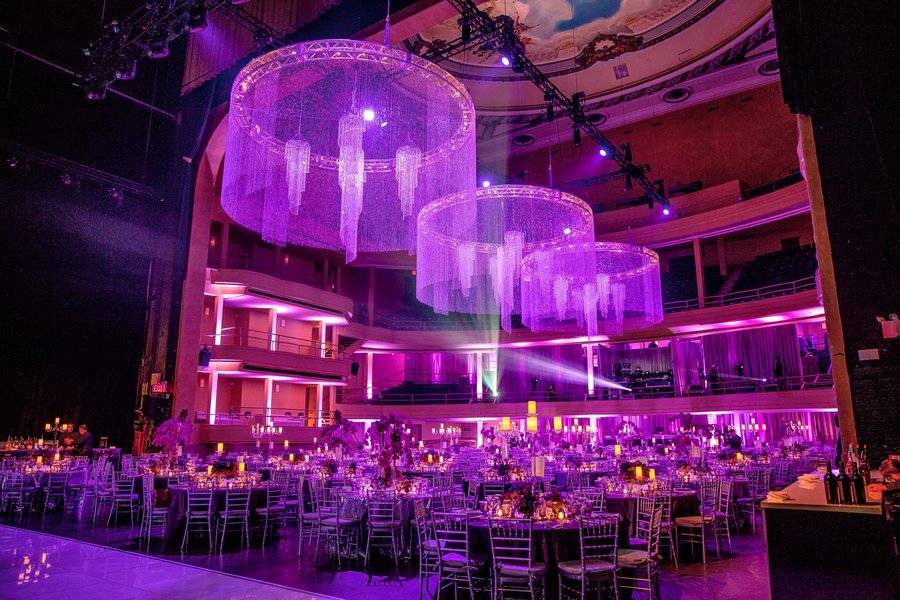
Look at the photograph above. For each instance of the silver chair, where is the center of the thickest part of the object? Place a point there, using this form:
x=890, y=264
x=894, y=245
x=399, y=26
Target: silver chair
x=641, y=564
x=199, y=515
x=457, y=564
x=599, y=539
x=514, y=569
x=235, y=515
x=383, y=524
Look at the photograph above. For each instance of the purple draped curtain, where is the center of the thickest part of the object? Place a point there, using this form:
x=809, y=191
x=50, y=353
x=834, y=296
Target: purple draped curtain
x=562, y=366
x=687, y=361
x=756, y=349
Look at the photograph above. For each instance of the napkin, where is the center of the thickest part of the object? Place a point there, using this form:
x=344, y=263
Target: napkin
x=777, y=497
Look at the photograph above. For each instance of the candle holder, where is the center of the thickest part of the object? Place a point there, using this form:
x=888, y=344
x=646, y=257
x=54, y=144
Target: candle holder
x=259, y=431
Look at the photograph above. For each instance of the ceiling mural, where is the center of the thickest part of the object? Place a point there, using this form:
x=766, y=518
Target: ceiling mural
x=581, y=32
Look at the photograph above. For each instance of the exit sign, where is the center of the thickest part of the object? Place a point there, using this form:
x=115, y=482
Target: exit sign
x=159, y=388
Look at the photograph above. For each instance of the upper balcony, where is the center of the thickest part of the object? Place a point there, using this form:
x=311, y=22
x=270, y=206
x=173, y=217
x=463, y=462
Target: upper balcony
x=238, y=351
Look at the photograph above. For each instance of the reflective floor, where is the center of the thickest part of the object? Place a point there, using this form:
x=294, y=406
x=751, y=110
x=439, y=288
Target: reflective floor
x=36, y=565
x=111, y=562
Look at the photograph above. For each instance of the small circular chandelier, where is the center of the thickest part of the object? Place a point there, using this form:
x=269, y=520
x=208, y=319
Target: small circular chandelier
x=470, y=246
x=337, y=144
x=623, y=293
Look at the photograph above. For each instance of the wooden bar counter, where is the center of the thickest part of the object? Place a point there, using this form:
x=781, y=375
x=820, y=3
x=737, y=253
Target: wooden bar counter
x=820, y=550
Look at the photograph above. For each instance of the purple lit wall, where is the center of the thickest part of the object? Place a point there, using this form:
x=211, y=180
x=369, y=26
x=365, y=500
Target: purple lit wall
x=756, y=349
x=560, y=366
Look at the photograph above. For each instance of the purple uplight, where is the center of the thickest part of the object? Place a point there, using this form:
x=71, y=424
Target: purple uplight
x=666, y=211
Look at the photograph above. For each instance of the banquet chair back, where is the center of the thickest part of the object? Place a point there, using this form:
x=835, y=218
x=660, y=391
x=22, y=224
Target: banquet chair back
x=642, y=561
x=667, y=532
x=427, y=544
x=123, y=498
x=598, y=538
x=493, y=488
x=724, y=512
x=308, y=518
x=472, y=493
x=458, y=566
x=579, y=479
x=152, y=516
x=514, y=570
x=273, y=512
x=596, y=496
x=383, y=524
x=338, y=524
x=198, y=515
x=236, y=515
x=55, y=492
x=442, y=481
x=12, y=494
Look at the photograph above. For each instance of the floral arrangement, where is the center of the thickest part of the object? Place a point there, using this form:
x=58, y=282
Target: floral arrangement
x=727, y=453
x=683, y=422
x=330, y=466
x=391, y=436
x=573, y=461
x=489, y=434
x=430, y=456
x=341, y=433
x=173, y=433
x=225, y=466
x=517, y=501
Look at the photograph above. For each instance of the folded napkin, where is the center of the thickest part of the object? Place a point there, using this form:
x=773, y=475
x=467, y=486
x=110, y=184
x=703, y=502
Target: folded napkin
x=777, y=497
x=809, y=477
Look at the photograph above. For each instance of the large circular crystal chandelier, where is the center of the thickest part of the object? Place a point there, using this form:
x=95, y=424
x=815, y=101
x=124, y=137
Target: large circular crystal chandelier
x=337, y=144
x=471, y=245
x=623, y=293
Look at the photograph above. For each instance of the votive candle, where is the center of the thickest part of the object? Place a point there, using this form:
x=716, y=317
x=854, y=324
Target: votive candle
x=639, y=472
x=618, y=450
x=40, y=460
x=220, y=447
x=652, y=473
x=287, y=443
x=241, y=467
x=290, y=458
x=209, y=470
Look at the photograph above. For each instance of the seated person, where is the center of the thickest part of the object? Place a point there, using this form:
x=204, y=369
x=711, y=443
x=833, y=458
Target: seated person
x=85, y=442
x=890, y=473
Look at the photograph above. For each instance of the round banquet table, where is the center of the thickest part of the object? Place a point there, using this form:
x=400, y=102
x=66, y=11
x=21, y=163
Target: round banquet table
x=562, y=478
x=178, y=507
x=684, y=504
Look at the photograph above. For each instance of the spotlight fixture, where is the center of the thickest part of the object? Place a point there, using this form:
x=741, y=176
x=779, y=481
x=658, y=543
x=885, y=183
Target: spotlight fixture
x=368, y=114
x=578, y=106
x=196, y=21
x=486, y=183
x=158, y=45
x=465, y=30
x=666, y=210
x=117, y=195
x=126, y=68
x=603, y=152
x=567, y=231
x=95, y=90
x=549, y=99
x=576, y=136
x=626, y=150
x=505, y=60
x=65, y=179
x=13, y=162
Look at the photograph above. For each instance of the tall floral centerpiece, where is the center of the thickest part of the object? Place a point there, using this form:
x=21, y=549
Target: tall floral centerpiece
x=173, y=434
x=391, y=437
x=341, y=435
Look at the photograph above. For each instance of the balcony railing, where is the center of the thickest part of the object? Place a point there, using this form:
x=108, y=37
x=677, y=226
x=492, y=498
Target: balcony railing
x=272, y=267
x=769, y=291
x=277, y=342
x=737, y=385
x=260, y=415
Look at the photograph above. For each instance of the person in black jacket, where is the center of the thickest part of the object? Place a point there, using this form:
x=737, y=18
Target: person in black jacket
x=85, y=442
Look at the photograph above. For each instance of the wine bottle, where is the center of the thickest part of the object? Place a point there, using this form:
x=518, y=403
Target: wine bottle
x=859, y=488
x=864, y=469
x=831, y=487
x=844, y=488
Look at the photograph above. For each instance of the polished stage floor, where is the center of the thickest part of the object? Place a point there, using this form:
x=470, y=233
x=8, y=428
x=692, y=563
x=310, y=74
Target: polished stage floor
x=111, y=563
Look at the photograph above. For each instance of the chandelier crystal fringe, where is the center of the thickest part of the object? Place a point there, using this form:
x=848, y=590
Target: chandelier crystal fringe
x=471, y=246
x=623, y=292
x=337, y=144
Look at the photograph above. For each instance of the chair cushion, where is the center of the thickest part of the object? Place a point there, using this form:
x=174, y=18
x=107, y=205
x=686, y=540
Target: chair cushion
x=593, y=565
x=630, y=558
x=335, y=521
x=637, y=542
x=456, y=560
x=519, y=570
x=432, y=546
x=693, y=521
x=384, y=524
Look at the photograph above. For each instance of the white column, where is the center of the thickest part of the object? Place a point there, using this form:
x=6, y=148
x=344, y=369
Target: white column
x=268, y=386
x=218, y=304
x=479, y=372
x=322, y=327
x=479, y=439
x=273, y=329
x=319, y=398
x=590, y=368
x=213, y=391
x=370, y=357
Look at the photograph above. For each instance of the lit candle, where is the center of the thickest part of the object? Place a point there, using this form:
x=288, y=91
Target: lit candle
x=532, y=424
x=532, y=407
x=421, y=444
x=639, y=472
x=505, y=424
x=290, y=458
x=739, y=456
x=209, y=470
x=56, y=455
x=47, y=427
x=557, y=423
x=315, y=440
x=440, y=459
x=56, y=421
x=40, y=441
x=652, y=474
x=431, y=458
x=220, y=447
x=241, y=467
x=561, y=515
x=665, y=450
x=499, y=511
x=287, y=443
x=618, y=450
x=40, y=460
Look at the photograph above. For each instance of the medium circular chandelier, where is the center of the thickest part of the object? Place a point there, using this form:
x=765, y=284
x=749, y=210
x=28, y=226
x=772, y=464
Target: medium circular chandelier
x=337, y=144
x=623, y=292
x=470, y=245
